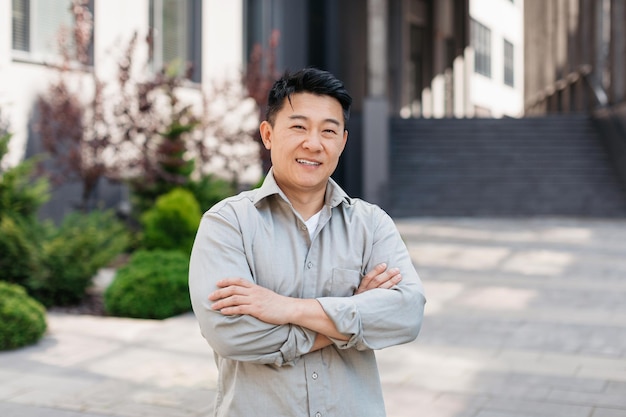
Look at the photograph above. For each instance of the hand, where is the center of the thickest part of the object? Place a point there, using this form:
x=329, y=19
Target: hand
x=239, y=296
x=379, y=277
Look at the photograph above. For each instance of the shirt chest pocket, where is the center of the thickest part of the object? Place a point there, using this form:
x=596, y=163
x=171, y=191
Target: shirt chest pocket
x=344, y=283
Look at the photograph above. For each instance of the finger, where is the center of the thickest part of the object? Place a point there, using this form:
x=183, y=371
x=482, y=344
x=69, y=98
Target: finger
x=221, y=293
x=226, y=292
x=232, y=311
x=380, y=279
x=227, y=282
x=391, y=282
x=367, y=279
x=229, y=302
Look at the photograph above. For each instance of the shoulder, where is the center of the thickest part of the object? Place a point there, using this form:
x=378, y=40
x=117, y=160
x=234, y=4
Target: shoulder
x=353, y=206
x=235, y=205
x=365, y=211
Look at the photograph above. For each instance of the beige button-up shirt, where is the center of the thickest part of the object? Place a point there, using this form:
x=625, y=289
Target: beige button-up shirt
x=267, y=370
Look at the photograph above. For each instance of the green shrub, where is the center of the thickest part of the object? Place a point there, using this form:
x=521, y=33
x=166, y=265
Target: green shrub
x=21, y=193
x=22, y=319
x=209, y=190
x=152, y=285
x=20, y=251
x=21, y=196
x=172, y=223
x=55, y=265
x=74, y=252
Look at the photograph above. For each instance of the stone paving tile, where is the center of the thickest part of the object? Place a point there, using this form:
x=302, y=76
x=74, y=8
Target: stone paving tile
x=46, y=390
x=604, y=399
x=402, y=403
x=125, y=398
x=492, y=413
x=551, y=383
x=143, y=365
x=589, y=340
x=27, y=410
x=525, y=318
x=537, y=408
x=608, y=412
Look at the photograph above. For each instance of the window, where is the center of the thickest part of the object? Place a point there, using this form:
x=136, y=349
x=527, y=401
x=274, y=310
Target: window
x=36, y=27
x=21, y=35
x=481, y=41
x=177, y=33
x=508, y=64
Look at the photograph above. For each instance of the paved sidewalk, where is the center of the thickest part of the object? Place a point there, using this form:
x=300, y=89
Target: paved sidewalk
x=524, y=318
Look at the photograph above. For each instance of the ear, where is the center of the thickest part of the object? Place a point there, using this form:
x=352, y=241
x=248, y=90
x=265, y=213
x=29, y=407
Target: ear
x=266, y=134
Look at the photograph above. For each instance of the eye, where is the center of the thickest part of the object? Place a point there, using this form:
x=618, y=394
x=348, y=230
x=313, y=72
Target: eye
x=330, y=131
x=298, y=127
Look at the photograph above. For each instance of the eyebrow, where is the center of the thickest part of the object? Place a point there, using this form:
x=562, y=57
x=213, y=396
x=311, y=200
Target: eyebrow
x=301, y=117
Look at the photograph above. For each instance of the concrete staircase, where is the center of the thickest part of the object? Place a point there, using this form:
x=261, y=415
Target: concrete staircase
x=548, y=166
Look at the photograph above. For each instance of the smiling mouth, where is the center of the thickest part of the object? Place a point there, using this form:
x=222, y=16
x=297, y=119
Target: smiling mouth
x=307, y=162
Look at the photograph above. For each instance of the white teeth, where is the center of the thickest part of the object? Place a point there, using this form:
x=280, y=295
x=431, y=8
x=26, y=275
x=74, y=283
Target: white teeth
x=305, y=162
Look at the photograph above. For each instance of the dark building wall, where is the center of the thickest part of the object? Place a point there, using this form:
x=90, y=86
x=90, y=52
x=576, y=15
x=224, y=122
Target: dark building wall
x=66, y=194
x=573, y=48
x=575, y=61
x=332, y=35
x=289, y=17
x=327, y=34
x=348, y=49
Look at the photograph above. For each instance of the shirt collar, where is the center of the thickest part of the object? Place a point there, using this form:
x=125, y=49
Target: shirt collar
x=335, y=195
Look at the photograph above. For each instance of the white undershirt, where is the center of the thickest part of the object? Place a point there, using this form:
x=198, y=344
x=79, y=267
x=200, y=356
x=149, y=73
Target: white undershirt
x=311, y=224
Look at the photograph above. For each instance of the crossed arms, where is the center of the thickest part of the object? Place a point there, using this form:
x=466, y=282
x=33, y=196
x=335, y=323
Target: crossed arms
x=247, y=322
x=238, y=296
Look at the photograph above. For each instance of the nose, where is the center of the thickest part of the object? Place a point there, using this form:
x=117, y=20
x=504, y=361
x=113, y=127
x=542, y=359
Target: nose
x=313, y=141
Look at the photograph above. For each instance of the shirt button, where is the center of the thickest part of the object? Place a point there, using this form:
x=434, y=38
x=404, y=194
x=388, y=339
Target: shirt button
x=314, y=376
x=309, y=265
x=318, y=414
x=303, y=227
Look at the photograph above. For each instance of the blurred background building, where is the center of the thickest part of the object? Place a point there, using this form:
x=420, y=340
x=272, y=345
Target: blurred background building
x=576, y=63
x=442, y=88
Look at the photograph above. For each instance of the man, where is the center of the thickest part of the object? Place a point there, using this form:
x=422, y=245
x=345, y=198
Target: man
x=295, y=284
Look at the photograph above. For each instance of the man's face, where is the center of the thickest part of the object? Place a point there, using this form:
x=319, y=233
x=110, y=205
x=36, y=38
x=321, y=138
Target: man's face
x=305, y=142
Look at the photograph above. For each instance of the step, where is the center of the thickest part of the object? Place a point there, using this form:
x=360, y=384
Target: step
x=535, y=166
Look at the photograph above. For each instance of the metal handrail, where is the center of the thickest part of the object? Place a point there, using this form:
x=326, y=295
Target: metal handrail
x=599, y=93
x=584, y=73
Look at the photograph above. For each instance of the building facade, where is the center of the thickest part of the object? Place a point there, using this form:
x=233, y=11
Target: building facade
x=575, y=55
x=189, y=30
x=398, y=58
x=576, y=62
x=181, y=30
x=497, y=40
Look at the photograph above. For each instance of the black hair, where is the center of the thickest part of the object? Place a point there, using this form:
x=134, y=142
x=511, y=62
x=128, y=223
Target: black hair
x=307, y=80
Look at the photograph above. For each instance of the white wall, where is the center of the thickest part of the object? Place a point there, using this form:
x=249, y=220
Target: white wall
x=19, y=84
x=115, y=22
x=505, y=19
x=222, y=39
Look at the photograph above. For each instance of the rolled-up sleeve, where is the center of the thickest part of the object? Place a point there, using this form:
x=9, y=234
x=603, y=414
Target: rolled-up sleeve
x=380, y=318
x=218, y=252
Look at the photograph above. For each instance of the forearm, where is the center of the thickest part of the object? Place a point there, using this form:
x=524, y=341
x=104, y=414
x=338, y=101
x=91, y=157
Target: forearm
x=308, y=313
x=236, y=296
x=379, y=318
x=247, y=339
x=321, y=342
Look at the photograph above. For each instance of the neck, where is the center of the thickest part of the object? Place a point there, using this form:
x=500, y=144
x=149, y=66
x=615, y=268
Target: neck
x=308, y=211
x=306, y=204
